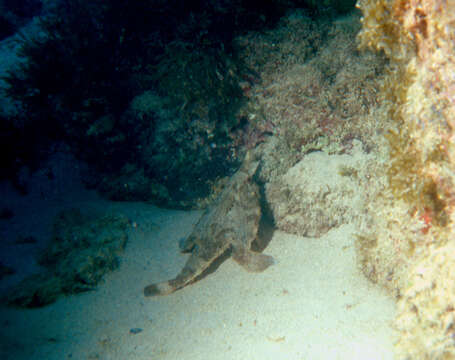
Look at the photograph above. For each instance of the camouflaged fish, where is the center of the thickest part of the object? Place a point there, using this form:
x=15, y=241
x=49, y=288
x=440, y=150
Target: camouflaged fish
x=230, y=224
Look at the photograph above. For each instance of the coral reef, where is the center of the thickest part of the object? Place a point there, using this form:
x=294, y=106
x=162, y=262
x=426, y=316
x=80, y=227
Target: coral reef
x=313, y=99
x=191, y=114
x=409, y=247
x=71, y=81
x=317, y=99
x=316, y=89
x=83, y=67
x=158, y=90
x=82, y=250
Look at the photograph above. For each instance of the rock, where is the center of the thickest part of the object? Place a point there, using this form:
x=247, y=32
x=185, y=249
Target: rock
x=82, y=250
x=318, y=193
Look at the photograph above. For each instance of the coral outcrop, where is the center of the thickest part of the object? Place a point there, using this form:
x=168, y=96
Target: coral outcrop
x=82, y=250
x=409, y=248
x=316, y=89
x=319, y=193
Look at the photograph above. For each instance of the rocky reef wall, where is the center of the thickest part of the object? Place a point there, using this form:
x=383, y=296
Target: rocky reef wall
x=408, y=243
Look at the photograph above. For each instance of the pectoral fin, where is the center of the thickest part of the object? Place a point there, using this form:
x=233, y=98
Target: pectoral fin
x=252, y=261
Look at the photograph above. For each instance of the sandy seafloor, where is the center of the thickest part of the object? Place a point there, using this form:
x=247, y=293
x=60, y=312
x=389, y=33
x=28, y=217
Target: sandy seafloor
x=312, y=304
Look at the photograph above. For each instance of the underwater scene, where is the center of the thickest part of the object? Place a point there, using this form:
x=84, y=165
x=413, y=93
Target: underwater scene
x=227, y=179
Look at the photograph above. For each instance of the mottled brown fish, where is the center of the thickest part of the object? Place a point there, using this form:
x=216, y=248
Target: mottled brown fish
x=231, y=223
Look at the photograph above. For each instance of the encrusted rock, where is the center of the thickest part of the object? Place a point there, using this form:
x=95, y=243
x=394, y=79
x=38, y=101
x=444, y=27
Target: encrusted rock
x=82, y=250
x=318, y=193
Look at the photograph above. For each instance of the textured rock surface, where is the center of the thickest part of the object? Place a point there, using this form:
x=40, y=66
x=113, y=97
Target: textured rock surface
x=318, y=193
x=82, y=250
x=425, y=315
x=409, y=243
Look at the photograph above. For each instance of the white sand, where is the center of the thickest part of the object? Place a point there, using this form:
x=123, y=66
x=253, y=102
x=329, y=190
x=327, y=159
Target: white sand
x=312, y=304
